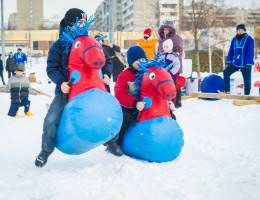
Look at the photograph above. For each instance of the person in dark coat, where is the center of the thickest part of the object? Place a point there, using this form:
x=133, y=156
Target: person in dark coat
x=1, y=69
x=57, y=70
x=167, y=31
x=112, y=51
x=10, y=65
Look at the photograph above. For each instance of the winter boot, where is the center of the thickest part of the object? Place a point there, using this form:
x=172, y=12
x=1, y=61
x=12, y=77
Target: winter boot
x=42, y=159
x=114, y=148
x=178, y=99
x=28, y=114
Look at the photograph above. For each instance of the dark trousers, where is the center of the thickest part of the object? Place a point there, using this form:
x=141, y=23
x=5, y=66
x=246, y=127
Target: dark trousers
x=128, y=118
x=15, y=106
x=246, y=75
x=2, y=77
x=10, y=72
x=51, y=123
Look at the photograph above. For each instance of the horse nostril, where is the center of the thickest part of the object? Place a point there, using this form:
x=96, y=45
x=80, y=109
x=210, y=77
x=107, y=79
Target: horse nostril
x=167, y=95
x=101, y=63
x=95, y=63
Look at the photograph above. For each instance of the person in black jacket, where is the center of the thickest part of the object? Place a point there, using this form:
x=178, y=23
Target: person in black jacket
x=112, y=51
x=57, y=70
x=10, y=65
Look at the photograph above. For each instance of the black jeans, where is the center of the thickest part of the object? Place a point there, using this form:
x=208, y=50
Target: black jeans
x=10, y=72
x=51, y=123
x=2, y=77
x=246, y=75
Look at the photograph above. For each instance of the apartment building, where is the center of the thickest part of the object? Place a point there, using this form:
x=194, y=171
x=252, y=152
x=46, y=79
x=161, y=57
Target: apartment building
x=102, y=16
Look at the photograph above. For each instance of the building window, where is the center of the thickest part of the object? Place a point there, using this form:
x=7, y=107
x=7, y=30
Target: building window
x=118, y=1
x=174, y=14
x=118, y=7
x=35, y=45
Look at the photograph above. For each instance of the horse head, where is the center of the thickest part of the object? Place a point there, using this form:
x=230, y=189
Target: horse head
x=87, y=50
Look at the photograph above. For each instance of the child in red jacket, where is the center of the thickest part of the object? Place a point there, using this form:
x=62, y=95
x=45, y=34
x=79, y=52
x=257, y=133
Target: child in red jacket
x=123, y=92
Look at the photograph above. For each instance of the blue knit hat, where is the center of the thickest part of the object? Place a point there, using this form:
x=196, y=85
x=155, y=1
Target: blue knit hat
x=135, y=53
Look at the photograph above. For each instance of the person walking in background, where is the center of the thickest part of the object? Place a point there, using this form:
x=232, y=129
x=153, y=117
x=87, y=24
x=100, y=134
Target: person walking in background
x=240, y=57
x=20, y=57
x=10, y=65
x=148, y=44
x=1, y=69
x=167, y=31
x=114, y=52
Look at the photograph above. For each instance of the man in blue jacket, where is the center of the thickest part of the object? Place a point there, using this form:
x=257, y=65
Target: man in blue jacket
x=20, y=57
x=57, y=70
x=1, y=69
x=240, y=57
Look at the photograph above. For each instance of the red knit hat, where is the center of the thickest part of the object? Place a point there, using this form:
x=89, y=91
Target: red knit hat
x=148, y=32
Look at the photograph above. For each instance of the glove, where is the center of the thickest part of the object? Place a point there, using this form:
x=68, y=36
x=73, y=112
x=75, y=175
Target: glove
x=248, y=67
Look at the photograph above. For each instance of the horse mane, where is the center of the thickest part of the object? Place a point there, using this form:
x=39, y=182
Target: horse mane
x=69, y=35
x=144, y=68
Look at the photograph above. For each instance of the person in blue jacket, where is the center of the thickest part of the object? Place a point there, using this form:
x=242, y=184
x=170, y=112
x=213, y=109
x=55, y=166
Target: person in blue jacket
x=57, y=70
x=240, y=57
x=1, y=69
x=20, y=57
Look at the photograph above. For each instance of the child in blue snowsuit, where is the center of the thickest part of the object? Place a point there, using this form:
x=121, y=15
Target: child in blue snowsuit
x=240, y=57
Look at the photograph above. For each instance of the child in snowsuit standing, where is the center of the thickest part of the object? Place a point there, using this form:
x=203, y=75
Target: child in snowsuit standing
x=170, y=57
x=19, y=87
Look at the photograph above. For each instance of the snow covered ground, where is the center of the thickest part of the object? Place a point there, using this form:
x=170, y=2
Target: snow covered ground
x=220, y=159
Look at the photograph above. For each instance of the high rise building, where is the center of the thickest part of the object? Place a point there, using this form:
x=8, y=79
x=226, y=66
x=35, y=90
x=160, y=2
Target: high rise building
x=140, y=14
x=171, y=10
x=29, y=14
x=102, y=16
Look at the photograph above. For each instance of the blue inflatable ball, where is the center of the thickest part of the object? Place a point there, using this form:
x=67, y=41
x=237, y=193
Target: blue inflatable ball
x=88, y=120
x=211, y=84
x=156, y=140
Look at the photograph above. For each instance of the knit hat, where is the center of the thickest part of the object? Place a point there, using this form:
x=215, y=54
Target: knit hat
x=241, y=26
x=19, y=67
x=148, y=32
x=72, y=14
x=19, y=49
x=169, y=43
x=135, y=53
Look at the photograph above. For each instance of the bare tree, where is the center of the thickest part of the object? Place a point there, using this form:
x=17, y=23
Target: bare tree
x=201, y=15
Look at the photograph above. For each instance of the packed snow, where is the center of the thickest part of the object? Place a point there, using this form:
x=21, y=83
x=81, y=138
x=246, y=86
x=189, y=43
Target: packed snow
x=220, y=159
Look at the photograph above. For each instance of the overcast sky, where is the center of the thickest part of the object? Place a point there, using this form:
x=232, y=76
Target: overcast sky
x=59, y=7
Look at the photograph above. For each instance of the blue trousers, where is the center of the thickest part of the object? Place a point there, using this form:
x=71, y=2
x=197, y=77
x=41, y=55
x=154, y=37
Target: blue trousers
x=51, y=123
x=15, y=106
x=246, y=75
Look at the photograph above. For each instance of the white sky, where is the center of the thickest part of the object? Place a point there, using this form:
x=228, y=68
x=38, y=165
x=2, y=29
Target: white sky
x=59, y=7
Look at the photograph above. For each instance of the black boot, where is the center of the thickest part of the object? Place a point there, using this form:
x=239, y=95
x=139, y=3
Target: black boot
x=42, y=159
x=178, y=99
x=114, y=148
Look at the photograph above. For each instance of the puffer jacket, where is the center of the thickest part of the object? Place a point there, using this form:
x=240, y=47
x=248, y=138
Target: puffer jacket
x=19, y=87
x=176, y=39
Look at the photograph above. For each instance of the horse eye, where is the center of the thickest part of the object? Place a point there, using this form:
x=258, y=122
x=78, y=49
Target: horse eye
x=152, y=76
x=77, y=44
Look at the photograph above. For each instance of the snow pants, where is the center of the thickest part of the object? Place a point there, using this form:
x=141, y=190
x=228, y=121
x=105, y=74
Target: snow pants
x=51, y=123
x=15, y=106
x=246, y=75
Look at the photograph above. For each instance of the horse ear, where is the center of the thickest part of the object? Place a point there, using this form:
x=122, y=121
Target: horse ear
x=169, y=67
x=101, y=38
x=142, y=67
